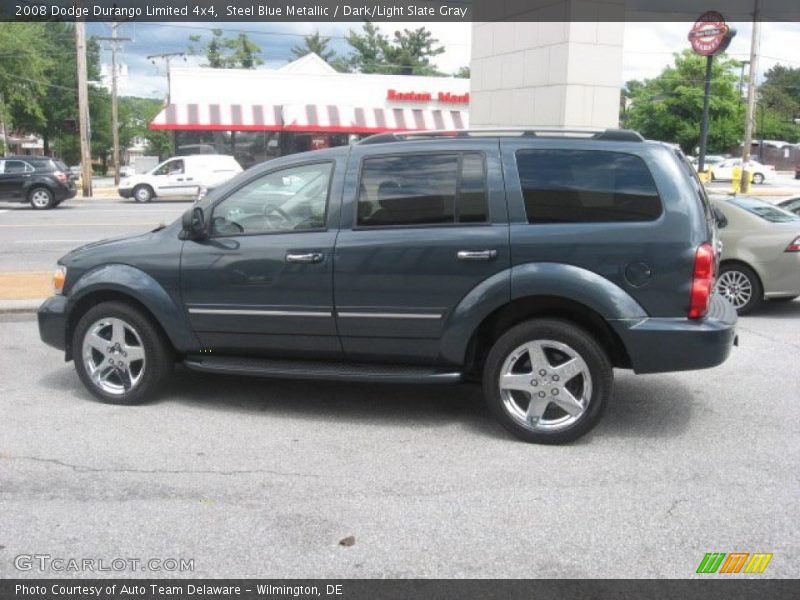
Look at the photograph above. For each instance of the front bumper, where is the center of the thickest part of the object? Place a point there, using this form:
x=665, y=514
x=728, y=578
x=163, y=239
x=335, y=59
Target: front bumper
x=52, y=317
x=125, y=192
x=660, y=345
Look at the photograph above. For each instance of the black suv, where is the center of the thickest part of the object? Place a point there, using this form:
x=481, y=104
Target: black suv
x=533, y=261
x=40, y=180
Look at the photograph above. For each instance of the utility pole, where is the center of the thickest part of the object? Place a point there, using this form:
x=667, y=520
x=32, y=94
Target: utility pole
x=114, y=39
x=166, y=57
x=3, y=124
x=83, y=108
x=751, y=96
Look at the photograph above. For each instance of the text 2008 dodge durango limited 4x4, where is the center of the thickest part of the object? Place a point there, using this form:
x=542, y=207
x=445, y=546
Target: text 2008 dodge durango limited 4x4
x=534, y=261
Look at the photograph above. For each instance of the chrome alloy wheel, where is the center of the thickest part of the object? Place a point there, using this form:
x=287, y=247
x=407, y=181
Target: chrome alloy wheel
x=736, y=287
x=113, y=355
x=40, y=198
x=545, y=385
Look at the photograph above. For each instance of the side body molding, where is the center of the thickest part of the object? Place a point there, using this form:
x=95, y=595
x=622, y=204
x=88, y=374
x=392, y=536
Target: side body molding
x=146, y=289
x=534, y=279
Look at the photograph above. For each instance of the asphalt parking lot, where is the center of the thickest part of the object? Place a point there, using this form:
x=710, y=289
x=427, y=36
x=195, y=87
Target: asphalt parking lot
x=255, y=477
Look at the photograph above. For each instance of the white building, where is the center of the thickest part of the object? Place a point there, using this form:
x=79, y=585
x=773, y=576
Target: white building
x=304, y=105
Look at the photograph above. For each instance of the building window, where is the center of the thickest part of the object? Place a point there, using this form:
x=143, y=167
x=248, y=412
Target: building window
x=422, y=189
x=586, y=186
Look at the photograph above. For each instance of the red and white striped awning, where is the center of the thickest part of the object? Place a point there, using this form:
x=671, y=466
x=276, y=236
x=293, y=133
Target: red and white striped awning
x=308, y=117
x=227, y=117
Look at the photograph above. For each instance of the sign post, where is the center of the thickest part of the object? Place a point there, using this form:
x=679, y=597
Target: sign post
x=709, y=36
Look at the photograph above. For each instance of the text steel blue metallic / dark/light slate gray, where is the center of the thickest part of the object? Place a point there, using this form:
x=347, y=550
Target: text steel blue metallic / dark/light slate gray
x=535, y=261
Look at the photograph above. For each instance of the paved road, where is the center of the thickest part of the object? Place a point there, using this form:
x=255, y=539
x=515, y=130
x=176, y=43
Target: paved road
x=254, y=477
x=33, y=240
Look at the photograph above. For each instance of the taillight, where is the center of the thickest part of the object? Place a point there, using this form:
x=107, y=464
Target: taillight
x=794, y=246
x=62, y=177
x=702, y=281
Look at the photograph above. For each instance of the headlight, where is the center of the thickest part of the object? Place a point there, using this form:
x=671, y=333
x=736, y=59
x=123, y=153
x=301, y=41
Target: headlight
x=59, y=277
x=125, y=183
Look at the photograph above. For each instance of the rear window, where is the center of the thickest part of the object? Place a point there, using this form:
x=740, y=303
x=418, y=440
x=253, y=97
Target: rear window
x=422, y=189
x=768, y=212
x=586, y=186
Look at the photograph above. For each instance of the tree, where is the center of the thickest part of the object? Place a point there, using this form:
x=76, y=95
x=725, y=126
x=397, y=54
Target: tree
x=779, y=105
x=670, y=106
x=222, y=52
x=463, y=72
x=24, y=74
x=317, y=44
x=408, y=52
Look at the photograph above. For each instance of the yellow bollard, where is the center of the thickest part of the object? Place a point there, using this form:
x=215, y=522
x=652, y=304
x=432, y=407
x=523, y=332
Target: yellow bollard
x=736, y=179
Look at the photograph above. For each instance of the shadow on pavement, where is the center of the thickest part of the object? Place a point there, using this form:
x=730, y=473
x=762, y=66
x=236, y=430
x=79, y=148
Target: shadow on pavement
x=651, y=407
x=775, y=310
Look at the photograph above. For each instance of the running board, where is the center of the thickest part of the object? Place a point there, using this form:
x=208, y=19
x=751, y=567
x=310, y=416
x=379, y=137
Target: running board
x=326, y=370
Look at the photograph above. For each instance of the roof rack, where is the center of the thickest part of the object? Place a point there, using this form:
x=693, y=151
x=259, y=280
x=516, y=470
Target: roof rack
x=609, y=135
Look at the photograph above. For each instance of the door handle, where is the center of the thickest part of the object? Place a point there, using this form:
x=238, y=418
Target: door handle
x=308, y=257
x=180, y=178
x=477, y=254
x=190, y=179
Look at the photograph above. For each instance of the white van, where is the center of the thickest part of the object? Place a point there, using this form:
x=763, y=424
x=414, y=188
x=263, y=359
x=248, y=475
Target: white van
x=180, y=177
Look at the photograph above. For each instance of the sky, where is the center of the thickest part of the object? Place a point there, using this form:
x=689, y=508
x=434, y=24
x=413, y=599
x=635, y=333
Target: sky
x=647, y=47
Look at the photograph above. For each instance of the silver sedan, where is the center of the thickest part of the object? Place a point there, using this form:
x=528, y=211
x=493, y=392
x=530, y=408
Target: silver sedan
x=761, y=252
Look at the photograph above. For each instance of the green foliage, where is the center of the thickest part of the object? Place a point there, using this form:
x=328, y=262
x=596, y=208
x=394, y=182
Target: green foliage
x=463, y=72
x=317, y=44
x=779, y=105
x=222, y=52
x=670, y=106
x=135, y=115
x=408, y=52
x=24, y=72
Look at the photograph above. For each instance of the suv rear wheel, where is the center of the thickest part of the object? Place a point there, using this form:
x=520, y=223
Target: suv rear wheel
x=547, y=381
x=41, y=198
x=121, y=357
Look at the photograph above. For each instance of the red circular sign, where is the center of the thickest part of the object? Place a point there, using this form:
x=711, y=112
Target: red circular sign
x=710, y=34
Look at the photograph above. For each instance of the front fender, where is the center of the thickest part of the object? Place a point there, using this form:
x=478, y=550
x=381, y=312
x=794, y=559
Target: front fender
x=530, y=280
x=145, y=289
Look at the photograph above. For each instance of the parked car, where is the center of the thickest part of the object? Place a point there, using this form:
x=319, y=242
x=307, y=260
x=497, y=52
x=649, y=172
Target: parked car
x=791, y=204
x=710, y=161
x=533, y=261
x=723, y=171
x=180, y=177
x=40, y=180
x=760, y=252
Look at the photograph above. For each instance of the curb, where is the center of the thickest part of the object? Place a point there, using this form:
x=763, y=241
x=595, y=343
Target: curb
x=20, y=306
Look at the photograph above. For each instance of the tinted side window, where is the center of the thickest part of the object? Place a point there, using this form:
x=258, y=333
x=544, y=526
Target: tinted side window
x=586, y=186
x=15, y=166
x=422, y=189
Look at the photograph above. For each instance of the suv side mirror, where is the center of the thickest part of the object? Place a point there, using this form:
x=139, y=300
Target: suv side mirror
x=194, y=225
x=721, y=219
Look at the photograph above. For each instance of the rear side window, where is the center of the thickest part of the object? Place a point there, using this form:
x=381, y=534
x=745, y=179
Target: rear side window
x=586, y=186
x=17, y=166
x=422, y=189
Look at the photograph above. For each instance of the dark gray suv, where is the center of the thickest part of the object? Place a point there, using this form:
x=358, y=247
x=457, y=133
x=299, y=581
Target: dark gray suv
x=533, y=261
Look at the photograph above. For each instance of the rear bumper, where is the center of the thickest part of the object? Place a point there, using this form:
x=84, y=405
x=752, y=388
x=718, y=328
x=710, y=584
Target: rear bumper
x=660, y=345
x=52, y=317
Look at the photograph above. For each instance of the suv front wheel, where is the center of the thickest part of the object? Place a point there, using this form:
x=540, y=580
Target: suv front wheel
x=120, y=355
x=547, y=381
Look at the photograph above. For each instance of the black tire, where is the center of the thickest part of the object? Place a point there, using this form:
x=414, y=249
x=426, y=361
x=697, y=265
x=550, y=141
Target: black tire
x=582, y=344
x=758, y=178
x=143, y=193
x=757, y=290
x=41, y=198
x=158, y=357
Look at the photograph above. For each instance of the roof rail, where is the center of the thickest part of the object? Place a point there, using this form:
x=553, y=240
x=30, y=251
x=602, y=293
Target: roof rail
x=610, y=135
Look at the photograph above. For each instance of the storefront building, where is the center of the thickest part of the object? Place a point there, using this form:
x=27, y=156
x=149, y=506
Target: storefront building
x=256, y=115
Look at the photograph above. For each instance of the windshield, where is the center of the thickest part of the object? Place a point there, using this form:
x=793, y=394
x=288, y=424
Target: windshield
x=766, y=211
